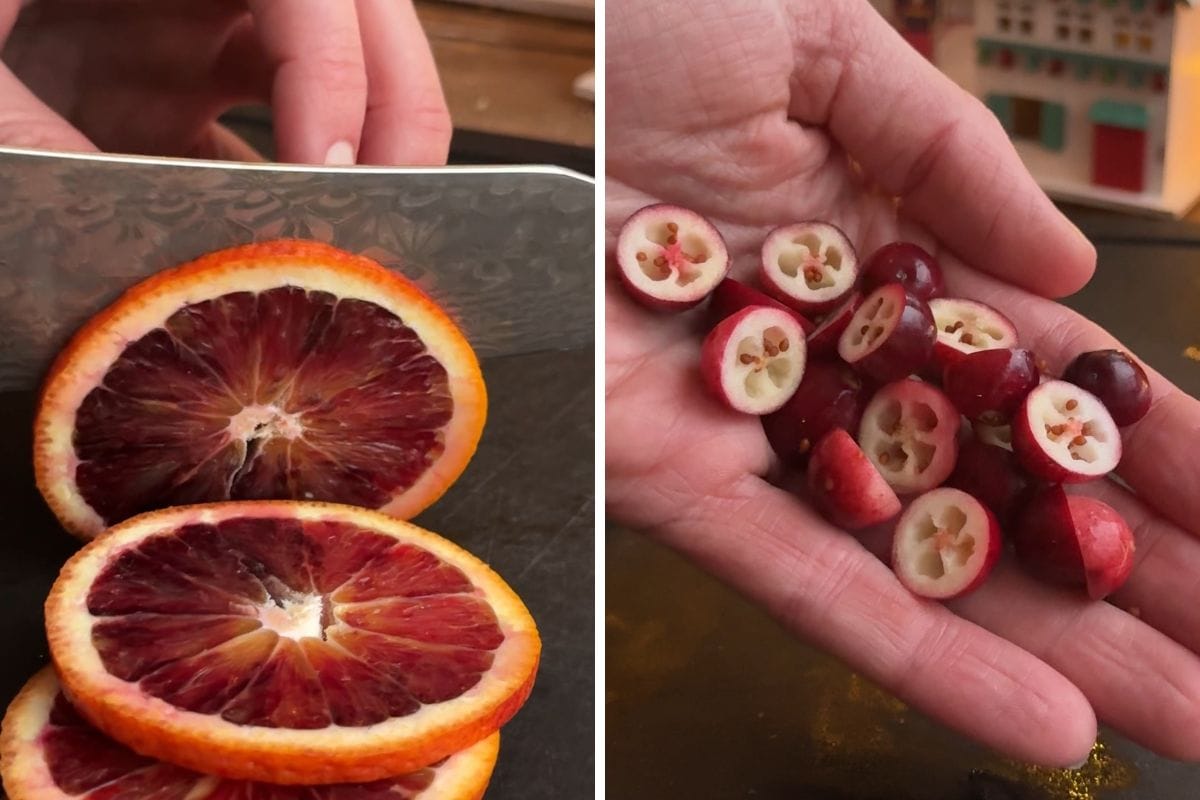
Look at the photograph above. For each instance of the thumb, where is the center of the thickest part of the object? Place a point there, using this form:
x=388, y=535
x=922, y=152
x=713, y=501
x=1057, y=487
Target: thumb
x=25, y=121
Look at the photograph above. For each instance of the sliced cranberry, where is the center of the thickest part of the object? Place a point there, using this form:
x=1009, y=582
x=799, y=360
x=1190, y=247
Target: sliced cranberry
x=946, y=544
x=670, y=258
x=809, y=266
x=909, y=430
x=890, y=336
x=754, y=360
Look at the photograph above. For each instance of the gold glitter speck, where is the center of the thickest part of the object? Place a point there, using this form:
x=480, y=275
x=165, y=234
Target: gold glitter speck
x=1102, y=773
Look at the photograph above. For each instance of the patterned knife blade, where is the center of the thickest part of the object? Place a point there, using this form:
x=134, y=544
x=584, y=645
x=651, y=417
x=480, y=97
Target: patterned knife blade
x=507, y=250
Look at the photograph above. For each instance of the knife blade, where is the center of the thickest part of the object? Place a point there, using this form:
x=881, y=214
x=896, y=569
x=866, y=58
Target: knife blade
x=508, y=251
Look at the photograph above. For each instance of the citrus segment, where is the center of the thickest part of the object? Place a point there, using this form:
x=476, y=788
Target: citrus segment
x=271, y=371
x=288, y=642
x=48, y=751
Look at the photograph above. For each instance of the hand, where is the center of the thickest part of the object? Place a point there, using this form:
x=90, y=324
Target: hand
x=351, y=81
x=747, y=111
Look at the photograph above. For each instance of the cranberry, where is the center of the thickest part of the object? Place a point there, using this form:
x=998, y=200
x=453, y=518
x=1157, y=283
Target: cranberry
x=891, y=335
x=1075, y=541
x=1118, y=380
x=830, y=396
x=990, y=383
x=907, y=264
x=992, y=475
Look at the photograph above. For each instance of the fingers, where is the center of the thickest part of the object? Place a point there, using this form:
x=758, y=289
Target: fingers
x=218, y=143
x=319, y=90
x=407, y=121
x=831, y=591
x=1165, y=583
x=1159, y=451
x=1139, y=681
x=25, y=121
x=924, y=139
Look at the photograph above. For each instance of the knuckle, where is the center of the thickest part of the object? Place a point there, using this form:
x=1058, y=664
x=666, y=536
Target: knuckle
x=341, y=69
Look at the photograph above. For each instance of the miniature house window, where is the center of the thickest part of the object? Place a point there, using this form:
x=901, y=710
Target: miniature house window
x=1062, y=32
x=1121, y=39
x=1145, y=43
x=1005, y=23
x=1027, y=118
x=1085, y=35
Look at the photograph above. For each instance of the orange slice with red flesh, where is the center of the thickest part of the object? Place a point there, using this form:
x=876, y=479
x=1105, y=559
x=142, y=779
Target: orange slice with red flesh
x=48, y=751
x=283, y=370
x=288, y=642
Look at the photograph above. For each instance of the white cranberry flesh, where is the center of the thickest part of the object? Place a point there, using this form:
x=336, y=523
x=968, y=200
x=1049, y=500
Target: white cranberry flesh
x=997, y=434
x=670, y=258
x=968, y=326
x=824, y=339
x=946, y=543
x=753, y=360
x=909, y=430
x=810, y=266
x=1065, y=434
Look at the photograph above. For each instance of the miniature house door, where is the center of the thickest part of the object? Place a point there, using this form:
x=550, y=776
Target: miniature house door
x=1119, y=145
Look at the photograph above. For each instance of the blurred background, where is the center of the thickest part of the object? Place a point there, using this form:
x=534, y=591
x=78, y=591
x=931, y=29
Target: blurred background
x=517, y=75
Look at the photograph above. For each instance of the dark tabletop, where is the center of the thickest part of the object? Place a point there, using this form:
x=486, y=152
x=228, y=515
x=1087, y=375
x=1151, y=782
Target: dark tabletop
x=524, y=505
x=706, y=697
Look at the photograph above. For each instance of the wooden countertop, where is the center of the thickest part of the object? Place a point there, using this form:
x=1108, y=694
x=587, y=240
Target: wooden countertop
x=511, y=74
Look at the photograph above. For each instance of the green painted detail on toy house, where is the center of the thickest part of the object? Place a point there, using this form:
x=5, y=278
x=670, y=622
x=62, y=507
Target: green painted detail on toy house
x=1031, y=119
x=1054, y=119
x=1110, y=71
x=1119, y=115
x=1001, y=105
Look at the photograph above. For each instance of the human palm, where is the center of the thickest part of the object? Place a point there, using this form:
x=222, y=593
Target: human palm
x=757, y=114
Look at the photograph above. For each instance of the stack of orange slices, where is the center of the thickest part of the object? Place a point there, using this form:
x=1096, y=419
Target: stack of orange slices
x=240, y=438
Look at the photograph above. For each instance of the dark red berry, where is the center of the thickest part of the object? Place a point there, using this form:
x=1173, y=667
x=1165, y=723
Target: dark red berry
x=1075, y=541
x=732, y=296
x=907, y=264
x=991, y=383
x=830, y=396
x=890, y=336
x=1118, y=380
x=992, y=476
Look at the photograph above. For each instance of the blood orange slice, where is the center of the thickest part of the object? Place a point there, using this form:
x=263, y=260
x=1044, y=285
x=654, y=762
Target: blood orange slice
x=270, y=371
x=288, y=642
x=48, y=751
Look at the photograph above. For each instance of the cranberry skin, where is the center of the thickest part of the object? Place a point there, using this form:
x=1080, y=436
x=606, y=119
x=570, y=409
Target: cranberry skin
x=907, y=264
x=732, y=296
x=846, y=487
x=1074, y=541
x=992, y=476
x=991, y=383
x=908, y=348
x=1118, y=380
x=830, y=396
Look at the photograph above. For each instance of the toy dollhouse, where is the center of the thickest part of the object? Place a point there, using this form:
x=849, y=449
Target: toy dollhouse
x=1101, y=97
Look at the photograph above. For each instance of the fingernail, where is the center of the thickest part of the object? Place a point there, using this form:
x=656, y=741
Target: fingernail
x=339, y=154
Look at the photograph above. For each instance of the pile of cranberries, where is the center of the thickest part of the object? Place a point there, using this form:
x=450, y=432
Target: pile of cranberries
x=899, y=391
